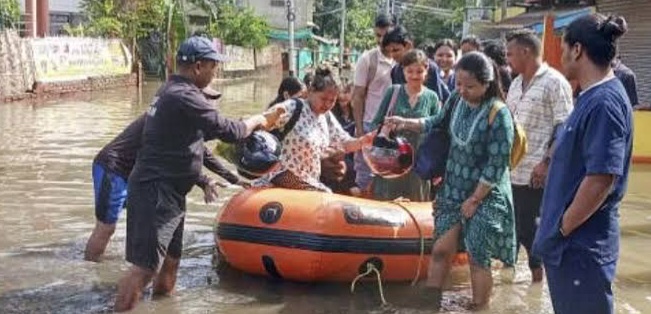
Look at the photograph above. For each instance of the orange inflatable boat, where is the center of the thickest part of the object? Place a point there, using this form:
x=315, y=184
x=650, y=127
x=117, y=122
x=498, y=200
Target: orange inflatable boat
x=315, y=236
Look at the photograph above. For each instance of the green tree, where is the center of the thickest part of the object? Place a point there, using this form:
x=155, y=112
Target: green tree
x=9, y=13
x=239, y=26
x=360, y=15
x=425, y=26
x=103, y=18
x=120, y=18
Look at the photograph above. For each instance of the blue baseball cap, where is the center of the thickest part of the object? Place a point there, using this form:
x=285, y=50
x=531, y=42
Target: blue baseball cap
x=198, y=48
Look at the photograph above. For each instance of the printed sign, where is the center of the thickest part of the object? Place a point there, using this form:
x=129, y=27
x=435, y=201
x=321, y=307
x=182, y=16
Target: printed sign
x=71, y=58
x=239, y=59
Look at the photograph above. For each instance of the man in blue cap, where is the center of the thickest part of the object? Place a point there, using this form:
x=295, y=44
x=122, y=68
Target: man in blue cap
x=168, y=165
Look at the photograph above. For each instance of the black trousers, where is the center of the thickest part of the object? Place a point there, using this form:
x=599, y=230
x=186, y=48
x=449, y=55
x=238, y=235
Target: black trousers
x=527, y=201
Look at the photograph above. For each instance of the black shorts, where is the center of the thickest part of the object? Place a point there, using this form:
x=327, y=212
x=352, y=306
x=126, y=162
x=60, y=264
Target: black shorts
x=154, y=223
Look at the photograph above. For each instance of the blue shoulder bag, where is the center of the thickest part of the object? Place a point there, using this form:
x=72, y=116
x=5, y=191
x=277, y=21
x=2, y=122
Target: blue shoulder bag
x=432, y=154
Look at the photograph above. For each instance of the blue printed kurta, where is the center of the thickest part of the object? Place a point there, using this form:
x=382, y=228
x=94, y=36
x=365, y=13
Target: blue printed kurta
x=479, y=152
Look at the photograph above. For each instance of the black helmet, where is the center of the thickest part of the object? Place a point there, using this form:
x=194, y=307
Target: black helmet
x=257, y=154
x=389, y=156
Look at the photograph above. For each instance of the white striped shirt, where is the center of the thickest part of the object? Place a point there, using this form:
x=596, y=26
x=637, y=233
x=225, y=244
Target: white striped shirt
x=545, y=103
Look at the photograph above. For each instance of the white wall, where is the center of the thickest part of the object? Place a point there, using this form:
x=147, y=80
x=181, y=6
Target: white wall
x=57, y=5
x=277, y=16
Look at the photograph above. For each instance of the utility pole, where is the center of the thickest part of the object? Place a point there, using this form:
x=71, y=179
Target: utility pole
x=466, y=23
x=291, y=16
x=505, y=6
x=342, y=44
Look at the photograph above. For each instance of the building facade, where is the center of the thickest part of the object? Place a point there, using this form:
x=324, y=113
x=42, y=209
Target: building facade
x=62, y=12
x=634, y=47
x=275, y=11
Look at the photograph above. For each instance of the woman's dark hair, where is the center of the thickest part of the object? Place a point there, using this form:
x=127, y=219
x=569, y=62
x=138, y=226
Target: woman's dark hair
x=308, y=78
x=345, y=87
x=398, y=35
x=324, y=78
x=428, y=47
x=496, y=50
x=597, y=35
x=414, y=56
x=446, y=43
x=473, y=41
x=291, y=85
x=384, y=21
x=484, y=70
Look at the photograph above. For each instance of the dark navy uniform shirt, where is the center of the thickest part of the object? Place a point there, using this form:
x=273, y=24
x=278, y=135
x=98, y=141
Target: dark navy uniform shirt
x=597, y=138
x=119, y=155
x=177, y=124
x=629, y=80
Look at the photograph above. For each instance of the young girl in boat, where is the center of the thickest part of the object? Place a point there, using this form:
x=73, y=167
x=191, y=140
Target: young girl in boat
x=343, y=112
x=290, y=87
x=414, y=101
x=316, y=134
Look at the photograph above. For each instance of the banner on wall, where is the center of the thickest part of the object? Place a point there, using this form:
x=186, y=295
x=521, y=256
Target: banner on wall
x=75, y=58
x=239, y=58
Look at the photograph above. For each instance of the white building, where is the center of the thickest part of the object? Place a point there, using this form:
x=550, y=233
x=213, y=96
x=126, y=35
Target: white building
x=61, y=12
x=275, y=11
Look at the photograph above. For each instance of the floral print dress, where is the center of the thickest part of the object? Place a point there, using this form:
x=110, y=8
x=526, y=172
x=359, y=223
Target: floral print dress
x=479, y=152
x=304, y=146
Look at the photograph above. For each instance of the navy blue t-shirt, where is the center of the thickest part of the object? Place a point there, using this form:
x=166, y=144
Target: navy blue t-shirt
x=433, y=81
x=597, y=138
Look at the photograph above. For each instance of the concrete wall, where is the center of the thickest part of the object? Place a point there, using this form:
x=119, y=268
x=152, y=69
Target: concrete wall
x=54, y=65
x=247, y=62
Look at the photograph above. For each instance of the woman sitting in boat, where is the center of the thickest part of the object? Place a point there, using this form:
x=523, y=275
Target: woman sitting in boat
x=290, y=87
x=474, y=208
x=343, y=112
x=316, y=134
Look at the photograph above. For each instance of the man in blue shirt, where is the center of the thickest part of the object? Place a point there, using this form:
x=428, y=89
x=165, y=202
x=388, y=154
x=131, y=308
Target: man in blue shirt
x=578, y=236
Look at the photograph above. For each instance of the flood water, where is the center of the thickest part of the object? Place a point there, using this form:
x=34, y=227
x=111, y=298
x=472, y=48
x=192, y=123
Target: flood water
x=46, y=215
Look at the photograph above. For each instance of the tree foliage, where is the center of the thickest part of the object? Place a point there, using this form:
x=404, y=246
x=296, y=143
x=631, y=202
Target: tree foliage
x=360, y=15
x=239, y=26
x=120, y=18
x=138, y=18
x=9, y=13
x=426, y=26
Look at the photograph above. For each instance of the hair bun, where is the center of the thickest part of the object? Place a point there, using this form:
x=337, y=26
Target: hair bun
x=614, y=27
x=323, y=70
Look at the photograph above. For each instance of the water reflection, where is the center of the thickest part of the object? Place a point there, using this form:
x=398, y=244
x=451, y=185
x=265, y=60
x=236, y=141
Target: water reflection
x=46, y=214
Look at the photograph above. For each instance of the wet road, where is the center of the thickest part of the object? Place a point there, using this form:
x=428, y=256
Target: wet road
x=46, y=215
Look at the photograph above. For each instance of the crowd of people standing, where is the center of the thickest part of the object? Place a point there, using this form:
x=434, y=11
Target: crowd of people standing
x=560, y=201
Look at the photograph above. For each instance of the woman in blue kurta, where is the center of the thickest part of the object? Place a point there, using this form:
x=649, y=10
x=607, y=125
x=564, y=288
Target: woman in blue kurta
x=413, y=100
x=578, y=236
x=474, y=208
